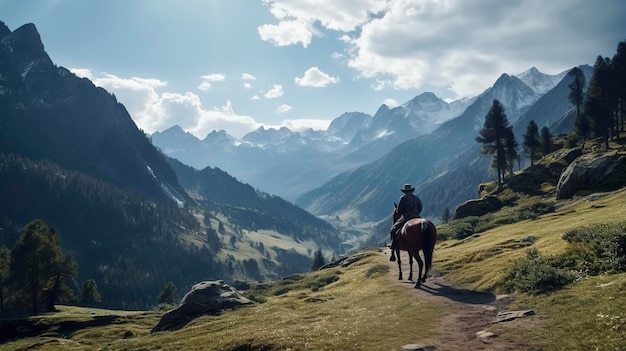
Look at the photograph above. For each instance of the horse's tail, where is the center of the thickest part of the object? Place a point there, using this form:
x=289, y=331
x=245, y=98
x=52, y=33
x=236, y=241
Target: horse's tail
x=428, y=245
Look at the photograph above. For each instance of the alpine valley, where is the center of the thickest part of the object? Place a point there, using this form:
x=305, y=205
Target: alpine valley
x=137, y=210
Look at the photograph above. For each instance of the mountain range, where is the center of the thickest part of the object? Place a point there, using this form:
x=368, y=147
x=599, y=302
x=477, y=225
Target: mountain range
x=352, y=172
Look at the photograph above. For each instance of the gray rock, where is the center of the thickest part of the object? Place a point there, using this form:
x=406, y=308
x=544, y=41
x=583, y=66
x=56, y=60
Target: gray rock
x=477, y=207
x=585, y=172
x=571, y=154
x=205, y=298
x=511, y=315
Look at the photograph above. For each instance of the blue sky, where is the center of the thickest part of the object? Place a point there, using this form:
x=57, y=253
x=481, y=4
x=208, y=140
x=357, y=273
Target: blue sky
x=240, y=64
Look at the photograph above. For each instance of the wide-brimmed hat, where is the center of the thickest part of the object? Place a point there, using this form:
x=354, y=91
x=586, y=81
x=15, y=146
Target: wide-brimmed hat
x=407, y=188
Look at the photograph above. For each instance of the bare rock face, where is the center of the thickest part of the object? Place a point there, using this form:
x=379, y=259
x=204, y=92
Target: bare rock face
x=205, y=298
x=585, y=172
x=477, y=207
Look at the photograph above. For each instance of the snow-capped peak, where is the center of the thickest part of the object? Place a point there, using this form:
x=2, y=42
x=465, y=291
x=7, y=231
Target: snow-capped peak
x=539, y=82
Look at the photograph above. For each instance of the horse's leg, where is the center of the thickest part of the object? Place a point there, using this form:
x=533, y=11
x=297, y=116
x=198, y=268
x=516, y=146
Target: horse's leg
x=410, y=266
x=423, y=277
x=420, y=264
x=397, y=252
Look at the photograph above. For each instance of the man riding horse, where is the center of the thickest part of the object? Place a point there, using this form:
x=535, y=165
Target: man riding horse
x=409, y=206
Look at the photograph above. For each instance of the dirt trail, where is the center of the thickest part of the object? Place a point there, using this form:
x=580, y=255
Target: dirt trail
x=469, y=313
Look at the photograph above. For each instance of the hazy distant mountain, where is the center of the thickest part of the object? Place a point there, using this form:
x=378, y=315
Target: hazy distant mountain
x=367, y=192
x=289, y=163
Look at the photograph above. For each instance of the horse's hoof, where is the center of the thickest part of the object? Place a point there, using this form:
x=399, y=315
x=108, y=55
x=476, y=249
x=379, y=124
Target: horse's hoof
x=417, y=285
x=392, y=258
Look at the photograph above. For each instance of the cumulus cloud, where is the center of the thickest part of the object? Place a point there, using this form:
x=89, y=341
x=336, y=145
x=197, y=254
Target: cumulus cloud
x=274, y=93
x=208, y=79
x=456, y=46
x=153, y=110
x=287, y=33
x=283, y=108
x=313, y=77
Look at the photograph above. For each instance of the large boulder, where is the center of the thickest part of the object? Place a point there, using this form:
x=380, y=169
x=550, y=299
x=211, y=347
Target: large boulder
x=205, y=298
x=477, y=207
x=585, y=172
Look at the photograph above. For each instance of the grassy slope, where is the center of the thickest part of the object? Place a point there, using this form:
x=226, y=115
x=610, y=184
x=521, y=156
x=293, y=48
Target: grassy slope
x=359, y=307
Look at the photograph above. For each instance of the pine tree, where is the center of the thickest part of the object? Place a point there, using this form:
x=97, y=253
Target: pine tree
x=546, y=141
x=577, y=88
x=597, y=100
x=531, y=141
x=167, y=295
x=619, y=74
x=510, y=145
x=90, y=295
x=5, y=269
x=318, y=260
x=493, y=136
x=36, y=261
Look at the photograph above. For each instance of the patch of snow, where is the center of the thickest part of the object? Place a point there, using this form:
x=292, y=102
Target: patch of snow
x=151, y=172
x=169, y=193
x=382, y=133
x=27, y=69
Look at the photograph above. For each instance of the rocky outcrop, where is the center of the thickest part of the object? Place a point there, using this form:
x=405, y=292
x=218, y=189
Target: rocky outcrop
x=205, y=298
x=570, y=155
x=477, y=207
x=585, y=172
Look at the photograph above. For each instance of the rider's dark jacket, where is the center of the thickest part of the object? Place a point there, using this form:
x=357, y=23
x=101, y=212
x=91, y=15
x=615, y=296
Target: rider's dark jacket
x=409, y=206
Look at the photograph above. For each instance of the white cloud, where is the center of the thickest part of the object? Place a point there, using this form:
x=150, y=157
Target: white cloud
x=339, y=15
x=313, y=77
x=283, y=108
x=247, y=76
x=391, y=102
x=208, y=79
x=274, y=93
x=81, y=72
x=255, y=97
x=457, y=47
x=247, y=85
x=155, y=111
x=287, y=33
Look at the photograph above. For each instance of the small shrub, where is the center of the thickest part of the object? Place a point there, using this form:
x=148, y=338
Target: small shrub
x=536, y=274
x=462, y=228
x=602, y=248
x=534, y=210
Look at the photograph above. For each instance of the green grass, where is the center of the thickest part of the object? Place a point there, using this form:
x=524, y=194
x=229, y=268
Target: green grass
x=358, y=307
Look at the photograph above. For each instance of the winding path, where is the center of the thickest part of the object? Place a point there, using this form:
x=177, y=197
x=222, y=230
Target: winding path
x=468, y=322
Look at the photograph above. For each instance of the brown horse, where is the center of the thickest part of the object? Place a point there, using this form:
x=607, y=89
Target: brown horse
x=415, y=235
